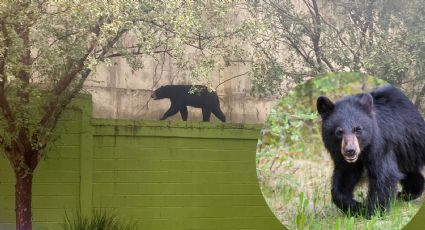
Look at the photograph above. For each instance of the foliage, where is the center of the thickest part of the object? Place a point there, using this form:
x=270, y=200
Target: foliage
x=383, y=38
x=50, y=48
x=294, y=119
x=99, y=220
x=262, y=86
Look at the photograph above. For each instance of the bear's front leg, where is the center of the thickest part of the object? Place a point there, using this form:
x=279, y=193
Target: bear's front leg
x=344, y=179
x=183, y=113
x=170, y=112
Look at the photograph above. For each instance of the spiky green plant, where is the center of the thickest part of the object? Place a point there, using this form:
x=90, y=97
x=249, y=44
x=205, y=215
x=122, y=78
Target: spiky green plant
x=99, y=220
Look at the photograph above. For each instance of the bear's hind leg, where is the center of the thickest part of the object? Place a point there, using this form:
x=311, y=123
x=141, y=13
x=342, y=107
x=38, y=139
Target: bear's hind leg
x=219, y=114
x=413, y=186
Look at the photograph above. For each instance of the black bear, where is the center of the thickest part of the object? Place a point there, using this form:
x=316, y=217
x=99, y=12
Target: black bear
x=382, y=133
x=180, y=97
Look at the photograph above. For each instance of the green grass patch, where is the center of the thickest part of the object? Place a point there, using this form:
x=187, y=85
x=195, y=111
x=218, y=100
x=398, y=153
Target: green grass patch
x=298, y=191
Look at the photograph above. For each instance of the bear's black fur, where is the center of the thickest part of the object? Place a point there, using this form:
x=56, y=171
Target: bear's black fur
x=180, y=97
x=381, y=133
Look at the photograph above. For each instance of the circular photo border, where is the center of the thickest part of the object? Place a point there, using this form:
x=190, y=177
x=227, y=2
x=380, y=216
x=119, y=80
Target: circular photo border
x=295, y=170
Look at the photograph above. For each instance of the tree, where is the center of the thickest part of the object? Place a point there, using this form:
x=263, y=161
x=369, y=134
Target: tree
x=303, y=39
x=49, y=48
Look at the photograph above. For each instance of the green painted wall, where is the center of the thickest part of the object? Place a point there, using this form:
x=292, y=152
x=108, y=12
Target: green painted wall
x=165, y=175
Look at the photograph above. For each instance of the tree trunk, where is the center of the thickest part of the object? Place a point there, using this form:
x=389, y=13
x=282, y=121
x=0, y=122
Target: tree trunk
x=23, y=195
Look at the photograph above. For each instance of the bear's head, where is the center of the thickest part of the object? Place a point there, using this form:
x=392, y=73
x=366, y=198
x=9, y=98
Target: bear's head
x=347, y=124
x=161, y=92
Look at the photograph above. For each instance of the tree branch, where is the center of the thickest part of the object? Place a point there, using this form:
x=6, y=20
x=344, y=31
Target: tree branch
x=69, y=86
x=300, y=52
x=419, y=97
x=66, y=80
x=239, y=75
x=111, y=43
x=134, y=53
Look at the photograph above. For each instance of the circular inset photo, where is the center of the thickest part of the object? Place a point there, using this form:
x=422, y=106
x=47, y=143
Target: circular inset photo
x=343, y=151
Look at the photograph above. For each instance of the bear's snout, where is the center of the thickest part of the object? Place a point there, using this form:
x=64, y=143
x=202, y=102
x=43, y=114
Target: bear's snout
x=153, y=95
x=350, y=152
x=350, y=148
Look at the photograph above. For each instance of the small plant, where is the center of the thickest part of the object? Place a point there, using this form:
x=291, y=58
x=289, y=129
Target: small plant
x=301, y=214
x=99, y=220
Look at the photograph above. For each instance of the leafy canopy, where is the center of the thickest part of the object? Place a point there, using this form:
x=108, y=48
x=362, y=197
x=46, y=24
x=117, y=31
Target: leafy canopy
x=49, y=48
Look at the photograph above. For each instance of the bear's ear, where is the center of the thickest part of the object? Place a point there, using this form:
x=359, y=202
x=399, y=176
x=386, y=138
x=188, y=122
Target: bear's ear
x=324, y=106
x=366, y=101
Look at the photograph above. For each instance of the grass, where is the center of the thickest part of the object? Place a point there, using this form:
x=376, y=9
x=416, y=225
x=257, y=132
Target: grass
x=99, y=220
x=297, y=188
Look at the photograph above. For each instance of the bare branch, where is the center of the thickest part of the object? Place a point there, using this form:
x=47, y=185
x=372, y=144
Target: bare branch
x=135, y=53
x=420, y=96
x=300, y=51
x=239, y=75
x=340, y=38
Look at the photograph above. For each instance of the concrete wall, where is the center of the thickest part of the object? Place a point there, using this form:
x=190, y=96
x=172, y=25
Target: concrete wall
x=119, y=93
x=162, y=174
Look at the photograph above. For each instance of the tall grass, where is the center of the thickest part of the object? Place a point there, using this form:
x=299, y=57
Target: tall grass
x=298, y=190
x=99, y=220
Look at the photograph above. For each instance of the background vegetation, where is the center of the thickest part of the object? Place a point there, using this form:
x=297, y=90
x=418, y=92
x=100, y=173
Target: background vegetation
x=297, y=40
x=294, y=168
